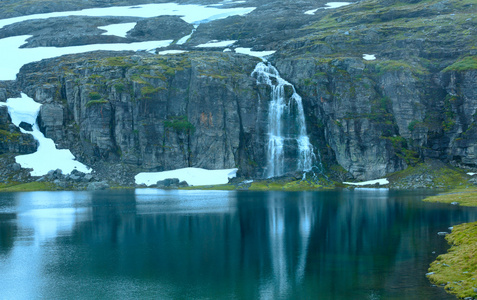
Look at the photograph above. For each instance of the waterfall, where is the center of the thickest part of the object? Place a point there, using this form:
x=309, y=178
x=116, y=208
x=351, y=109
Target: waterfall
x=289, y=148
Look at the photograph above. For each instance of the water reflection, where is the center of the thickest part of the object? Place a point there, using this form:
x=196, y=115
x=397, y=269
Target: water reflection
x=358, y=244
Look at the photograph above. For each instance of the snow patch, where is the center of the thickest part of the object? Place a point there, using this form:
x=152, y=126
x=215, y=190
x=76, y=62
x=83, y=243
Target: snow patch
x=167, y=52
x=193, y=176
x=47, y=157
x=369, y=56
x=382, y=181
x=120, y=30
x=216, y=44
x=471, y=173
x=259, y=54
x=311, y=12
x=328, y=5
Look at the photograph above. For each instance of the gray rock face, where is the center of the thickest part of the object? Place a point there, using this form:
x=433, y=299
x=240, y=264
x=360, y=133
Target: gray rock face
x=161, y=28
x=155, y=113
x=11, y=139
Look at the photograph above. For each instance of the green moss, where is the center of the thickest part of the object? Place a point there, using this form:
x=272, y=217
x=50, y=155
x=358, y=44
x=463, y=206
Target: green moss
x=95, y=102
x=442, y=175
x=179, y=124
x=457, y=269
x=466, y=64
x=9, y=137
x=94, y=96
x=149, y=90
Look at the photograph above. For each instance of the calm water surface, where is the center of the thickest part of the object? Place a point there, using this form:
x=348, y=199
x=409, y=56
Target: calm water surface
x=362, y=244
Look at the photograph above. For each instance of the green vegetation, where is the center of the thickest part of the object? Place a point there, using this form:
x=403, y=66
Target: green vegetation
x=28, y=187
x=400, y=146
x=9, y=137
x=149, y=90
x=465, y=64
x=457, y=269
x=95, y=102
x=440, y=175
x=94, y=96
x=179, y=124
x=465, y=197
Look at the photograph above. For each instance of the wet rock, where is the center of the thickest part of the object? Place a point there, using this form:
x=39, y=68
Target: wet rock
x=442, y=233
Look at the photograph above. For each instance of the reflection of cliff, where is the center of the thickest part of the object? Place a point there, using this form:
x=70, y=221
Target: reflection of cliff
x=193, y=244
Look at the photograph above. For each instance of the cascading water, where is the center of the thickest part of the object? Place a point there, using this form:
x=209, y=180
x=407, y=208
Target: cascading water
x=289, y=148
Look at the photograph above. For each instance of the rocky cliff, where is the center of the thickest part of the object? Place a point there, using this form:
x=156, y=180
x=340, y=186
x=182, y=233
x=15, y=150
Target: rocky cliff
x=366, y=118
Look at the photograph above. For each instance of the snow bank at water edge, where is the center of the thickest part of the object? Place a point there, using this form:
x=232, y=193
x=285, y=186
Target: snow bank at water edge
x=382, y=181
x=193, y=176
x=47, y=157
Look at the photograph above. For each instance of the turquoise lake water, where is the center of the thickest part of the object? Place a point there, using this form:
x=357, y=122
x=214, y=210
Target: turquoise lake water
x=153, y=244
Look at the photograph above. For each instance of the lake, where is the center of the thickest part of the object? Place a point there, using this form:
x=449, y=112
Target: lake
x=148, y=243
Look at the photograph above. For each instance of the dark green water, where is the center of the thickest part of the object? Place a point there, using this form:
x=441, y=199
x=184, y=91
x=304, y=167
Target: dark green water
x=151, y=244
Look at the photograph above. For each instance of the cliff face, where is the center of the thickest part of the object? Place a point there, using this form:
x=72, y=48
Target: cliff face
x=153, y=113
x=141, y=112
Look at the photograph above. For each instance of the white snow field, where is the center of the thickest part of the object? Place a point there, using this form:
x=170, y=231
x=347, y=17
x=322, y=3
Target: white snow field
x=13, y=58
x=47, y=157
x=193, y=176
x=259, y=54
x=120, y=30
x=382, y=181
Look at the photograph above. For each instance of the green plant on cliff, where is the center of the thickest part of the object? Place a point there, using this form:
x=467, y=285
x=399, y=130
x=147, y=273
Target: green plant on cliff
x=179, y=124
x=466, y=64
x=95, y=102
x=94, y=96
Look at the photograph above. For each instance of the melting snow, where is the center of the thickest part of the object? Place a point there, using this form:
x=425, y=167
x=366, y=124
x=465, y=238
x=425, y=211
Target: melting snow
x=369, y=56
x=193, y=176
x=190, y=13
x=166, y=52
x=216, y=44
x=13, y=57
x=47, y=157
x=382, y=181
x=259, y=54
x=120, y=30
x=328, y=5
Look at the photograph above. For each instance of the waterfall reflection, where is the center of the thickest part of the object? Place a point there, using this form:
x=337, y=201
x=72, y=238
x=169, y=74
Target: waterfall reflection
x=200, y=244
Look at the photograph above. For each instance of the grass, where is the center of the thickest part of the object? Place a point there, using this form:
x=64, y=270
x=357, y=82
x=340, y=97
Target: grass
x=29, y=187
x=465, y=197
x=465, y=64
x=457, y=269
